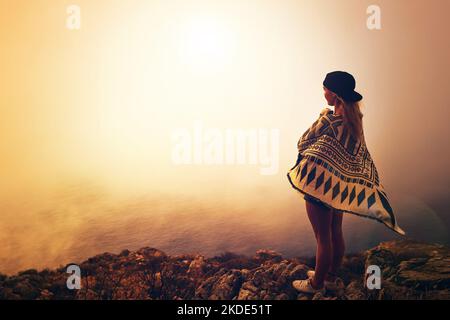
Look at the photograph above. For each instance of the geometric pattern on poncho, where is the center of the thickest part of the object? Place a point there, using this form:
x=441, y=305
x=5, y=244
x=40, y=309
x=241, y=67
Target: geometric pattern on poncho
x=337, y=169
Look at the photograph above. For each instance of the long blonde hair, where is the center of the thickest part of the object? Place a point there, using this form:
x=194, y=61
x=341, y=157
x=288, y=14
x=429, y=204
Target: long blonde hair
x=353, y=117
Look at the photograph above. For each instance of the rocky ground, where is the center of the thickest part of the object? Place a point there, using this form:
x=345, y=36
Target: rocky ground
x=410, y=270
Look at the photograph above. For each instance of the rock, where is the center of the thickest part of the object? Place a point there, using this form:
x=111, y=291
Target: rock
x=248, y=291
x=318, y=296
x=124, y=253
x=282, y=296
x=267, y=255
x=245, y=294
x=298, y=272
x=45, y=295
x=221, y=287
x=151, y=253
x=197, y=267
x=410, y=270
x=302, y=296
x=422, y=273
x=355, y=291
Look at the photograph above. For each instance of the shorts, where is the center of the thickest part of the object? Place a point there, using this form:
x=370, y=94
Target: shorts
x=315, y=201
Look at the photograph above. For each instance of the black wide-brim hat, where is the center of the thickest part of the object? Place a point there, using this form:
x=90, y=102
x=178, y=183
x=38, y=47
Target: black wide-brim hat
x=343, y=84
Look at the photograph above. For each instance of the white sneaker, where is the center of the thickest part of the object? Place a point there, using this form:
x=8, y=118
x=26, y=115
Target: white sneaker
x=305, y=286
x=335, y=285
x=310, y=274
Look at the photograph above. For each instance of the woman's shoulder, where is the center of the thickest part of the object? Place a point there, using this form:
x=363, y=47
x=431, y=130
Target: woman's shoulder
x=322, y=125
x=330, y=116
x=326, y=111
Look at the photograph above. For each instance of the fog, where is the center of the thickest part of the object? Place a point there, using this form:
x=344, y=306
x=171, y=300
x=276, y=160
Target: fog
x=87, y=118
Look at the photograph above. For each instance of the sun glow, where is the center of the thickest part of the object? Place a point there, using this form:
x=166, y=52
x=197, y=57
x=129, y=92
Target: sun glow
x=206, y=44
x=110, y=95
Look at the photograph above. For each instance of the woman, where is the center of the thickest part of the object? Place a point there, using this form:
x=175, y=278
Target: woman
x=336, y=174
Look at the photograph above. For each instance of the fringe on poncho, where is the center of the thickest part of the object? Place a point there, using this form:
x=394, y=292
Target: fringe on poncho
x=337, y=170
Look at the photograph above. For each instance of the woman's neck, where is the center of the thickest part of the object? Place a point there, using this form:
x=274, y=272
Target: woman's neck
x=338, y=111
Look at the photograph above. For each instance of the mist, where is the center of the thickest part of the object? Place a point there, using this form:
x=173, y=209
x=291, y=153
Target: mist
x=87, y=119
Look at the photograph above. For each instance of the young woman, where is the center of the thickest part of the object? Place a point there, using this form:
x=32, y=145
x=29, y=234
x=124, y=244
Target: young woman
x=336, y=174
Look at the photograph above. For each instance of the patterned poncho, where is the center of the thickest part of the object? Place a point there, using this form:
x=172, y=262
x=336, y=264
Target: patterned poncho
x=337, y=170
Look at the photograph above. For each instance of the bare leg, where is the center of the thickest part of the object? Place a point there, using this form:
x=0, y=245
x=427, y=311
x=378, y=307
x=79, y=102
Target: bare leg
x=338, y=242
x=321, y=220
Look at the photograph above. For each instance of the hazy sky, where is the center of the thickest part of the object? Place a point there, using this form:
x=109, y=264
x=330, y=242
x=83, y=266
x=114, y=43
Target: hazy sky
x=97, y=106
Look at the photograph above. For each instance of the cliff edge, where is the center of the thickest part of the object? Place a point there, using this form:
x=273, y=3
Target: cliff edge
x=410, y=270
